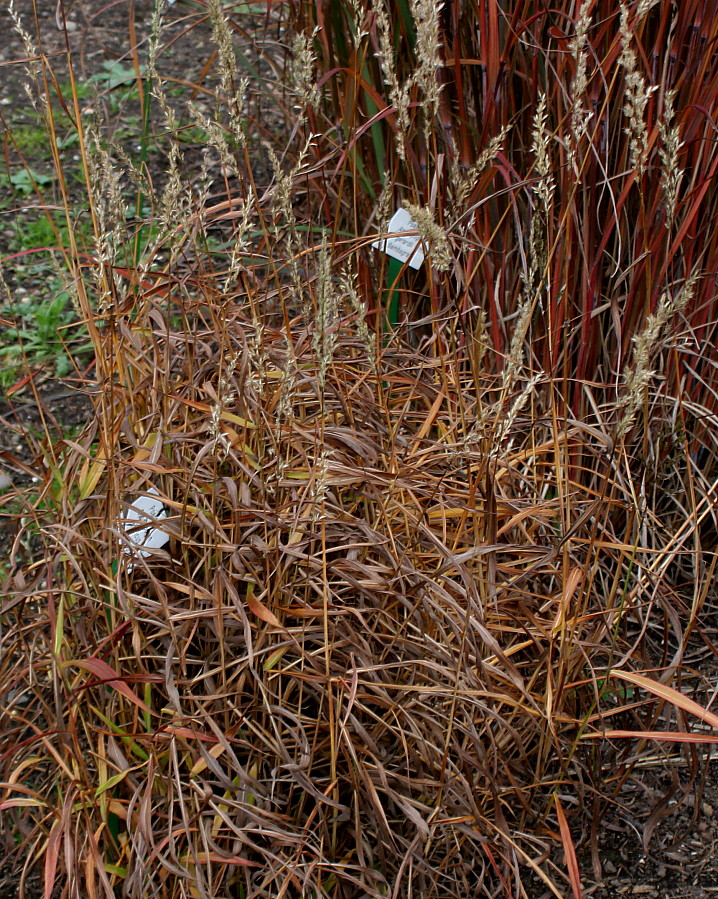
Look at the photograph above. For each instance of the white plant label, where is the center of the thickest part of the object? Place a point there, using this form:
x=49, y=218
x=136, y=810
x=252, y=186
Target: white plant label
x=144, y=510
x=406, y=249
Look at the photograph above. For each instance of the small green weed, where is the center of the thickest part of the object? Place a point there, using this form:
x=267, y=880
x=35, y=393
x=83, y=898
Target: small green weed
x=26, y=180
x=31, y=138
x=39, y=233
x=41, y=336
x=33, y=234
x=115, y=74
x=119, y=82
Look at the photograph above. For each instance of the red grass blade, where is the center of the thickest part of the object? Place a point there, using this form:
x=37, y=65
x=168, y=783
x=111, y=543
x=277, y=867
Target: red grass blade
x=569, y=849
x=106, y=674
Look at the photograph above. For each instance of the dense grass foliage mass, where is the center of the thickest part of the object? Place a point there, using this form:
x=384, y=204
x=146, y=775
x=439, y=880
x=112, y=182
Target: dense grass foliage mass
x=440, y=543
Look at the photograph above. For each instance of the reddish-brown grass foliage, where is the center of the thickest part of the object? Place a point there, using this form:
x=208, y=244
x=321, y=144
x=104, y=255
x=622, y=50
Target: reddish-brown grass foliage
x=376, y=656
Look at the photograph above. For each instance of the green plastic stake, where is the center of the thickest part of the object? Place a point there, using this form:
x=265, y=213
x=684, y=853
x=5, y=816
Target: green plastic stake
x=392, y=304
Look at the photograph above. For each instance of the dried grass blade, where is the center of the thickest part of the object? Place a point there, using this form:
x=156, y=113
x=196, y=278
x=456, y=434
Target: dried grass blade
x=662, y=691
x=569, y=849
x=52, y=853
x=107, y=674
x=662, y=736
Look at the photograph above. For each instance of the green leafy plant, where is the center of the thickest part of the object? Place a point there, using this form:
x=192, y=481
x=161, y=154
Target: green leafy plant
x=115, y=74
x=25, y=181
x=43, y=337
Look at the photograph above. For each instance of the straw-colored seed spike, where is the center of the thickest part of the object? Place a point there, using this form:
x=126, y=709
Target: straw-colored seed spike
x=398, y=94
x=538, y=235
x=222, y=37
x=31, y=52
x=281, y=195
x=110, y=217
x=538, y=253
x=174, y=204
x=288, y=388
x=358, y=19
x=20, y=29
x=284, y=182
x=4, y=289
x=433, y=236
x=241, y=238
x=225, y=397
x=464, y=182
x=476, y=433
x=348, y=288
x=541, y=148
x=274, y=468
x=105, y=179
x=508, y=421
x=215, y=138
x=301, y=70
x=384, y=204
x=158, y=91
x=226, y=388
x=515, y=358
x=644, y=7
x=257, y=355
x=233, y=88
x=282, y=206
x=319, y=491
x=326, y=326
x=129, y=167
x=481, y=338
x=672, y=174
x=580, y=115
x=637, y=95
x=645, y=345
x=428, y=46
x=214, y=429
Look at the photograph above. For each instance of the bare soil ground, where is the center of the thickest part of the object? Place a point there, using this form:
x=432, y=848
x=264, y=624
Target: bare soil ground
x=679, y=813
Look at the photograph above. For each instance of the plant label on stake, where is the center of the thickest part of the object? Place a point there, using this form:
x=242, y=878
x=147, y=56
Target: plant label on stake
x=144, y=511
x=407, y=249
x=401, y=250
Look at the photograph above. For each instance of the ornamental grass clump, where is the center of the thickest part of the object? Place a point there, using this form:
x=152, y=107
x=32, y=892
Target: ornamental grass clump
x=429, y=588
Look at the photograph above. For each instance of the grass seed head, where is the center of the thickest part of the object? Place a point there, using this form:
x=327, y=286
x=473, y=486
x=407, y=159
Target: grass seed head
x=358, y=18
x=426, y=15
x=385, y=203
x=349, y=289
x=541, y=144
x=644, y=7
x=672, y=173
x=31, y=52
x=464, y=181
x=398, y=93
x=325, y=332
x=158, y=91
x=636, y=97
x=287, y=389
x=233, y=88
x=433, y=235
x=538, y=233
x=645, y=345
x=580, y=114
x=216, y=139
x=301, y=70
